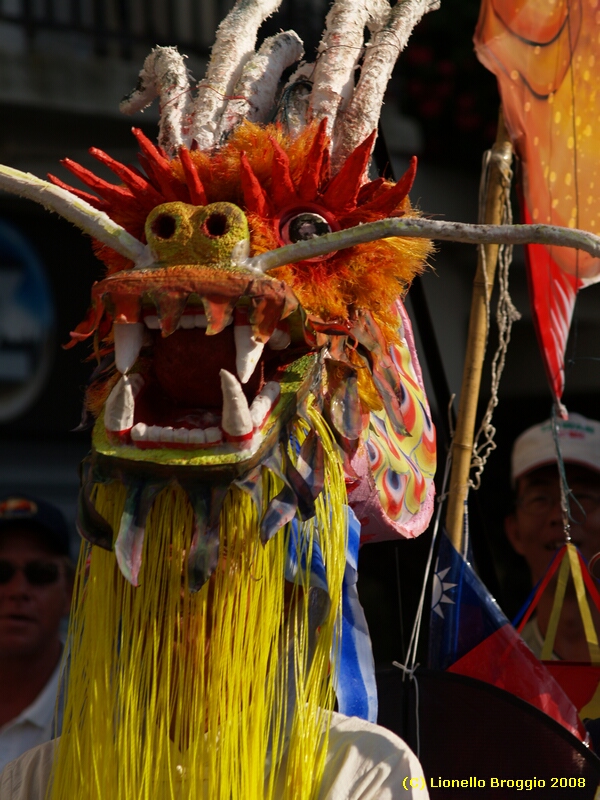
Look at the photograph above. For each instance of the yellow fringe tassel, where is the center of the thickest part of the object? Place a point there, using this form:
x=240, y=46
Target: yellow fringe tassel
x=181, y=696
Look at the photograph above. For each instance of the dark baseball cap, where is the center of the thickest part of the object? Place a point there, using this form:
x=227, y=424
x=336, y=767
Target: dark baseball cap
x=21, y=510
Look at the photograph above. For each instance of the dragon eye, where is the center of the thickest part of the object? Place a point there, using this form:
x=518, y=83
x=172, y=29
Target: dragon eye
x=304, y=226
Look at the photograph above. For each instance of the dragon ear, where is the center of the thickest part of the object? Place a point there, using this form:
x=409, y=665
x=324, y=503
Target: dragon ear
x=132, y=178
x=96, y=202
x=283, y=189
x=316, y=171
x=114, y=195
x=387, y=200
x=192, y=179
x=348, y=181
x=255, y=198
x=159, y=168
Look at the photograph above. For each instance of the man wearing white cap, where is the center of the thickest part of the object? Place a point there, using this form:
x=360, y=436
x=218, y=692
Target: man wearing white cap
x=536, y=530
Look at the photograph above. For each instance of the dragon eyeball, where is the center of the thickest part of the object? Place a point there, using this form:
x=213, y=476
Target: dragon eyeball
x=306, y=225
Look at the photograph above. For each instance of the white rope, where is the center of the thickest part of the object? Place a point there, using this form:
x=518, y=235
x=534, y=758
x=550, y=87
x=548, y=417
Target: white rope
x=410, y=673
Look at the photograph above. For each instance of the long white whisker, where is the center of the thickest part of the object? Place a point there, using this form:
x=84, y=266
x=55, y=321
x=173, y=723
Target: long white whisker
x=417, y=227
x=83, y=215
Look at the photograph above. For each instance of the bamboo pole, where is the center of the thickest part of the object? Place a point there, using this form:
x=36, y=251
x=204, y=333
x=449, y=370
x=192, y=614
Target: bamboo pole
x=462, y=444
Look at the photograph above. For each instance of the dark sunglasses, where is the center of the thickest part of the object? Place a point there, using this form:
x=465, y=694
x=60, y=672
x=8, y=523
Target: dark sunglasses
x=38, y=573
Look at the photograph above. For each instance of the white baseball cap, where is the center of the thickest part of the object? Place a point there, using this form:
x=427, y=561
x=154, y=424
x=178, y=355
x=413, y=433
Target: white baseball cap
x=578, y=438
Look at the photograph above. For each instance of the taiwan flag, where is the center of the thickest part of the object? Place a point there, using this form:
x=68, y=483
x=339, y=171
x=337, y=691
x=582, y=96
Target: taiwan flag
x=469, y=635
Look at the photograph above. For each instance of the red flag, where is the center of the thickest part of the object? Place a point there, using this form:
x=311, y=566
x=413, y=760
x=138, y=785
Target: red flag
x=469, y=635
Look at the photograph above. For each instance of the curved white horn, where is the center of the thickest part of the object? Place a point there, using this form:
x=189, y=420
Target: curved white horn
x=234, y=45
x=255, y=91
x=164, y=75
x=387, y=42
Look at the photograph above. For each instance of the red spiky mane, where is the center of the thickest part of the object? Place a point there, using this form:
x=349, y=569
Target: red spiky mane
x=266, y=173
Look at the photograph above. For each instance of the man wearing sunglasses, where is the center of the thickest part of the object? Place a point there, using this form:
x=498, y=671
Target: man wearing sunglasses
x=535, y=527
x=35, y=594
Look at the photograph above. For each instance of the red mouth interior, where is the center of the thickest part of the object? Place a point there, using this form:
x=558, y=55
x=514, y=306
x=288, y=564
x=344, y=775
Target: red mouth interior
x=183, y=387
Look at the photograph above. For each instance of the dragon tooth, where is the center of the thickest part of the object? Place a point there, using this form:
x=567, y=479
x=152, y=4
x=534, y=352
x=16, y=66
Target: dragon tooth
x=128, y=343
x=213, y=435
x=181, y=435
x=120, y=406
x=236, y=420
x=139, y=432
x=280, y=339
x=219, y=313
x=197, y=436
x=187, y=322
x=152, y=321
x=264, y=402
x=247, y=351
x=153, y=433
x=167, y=434
x=170, y=310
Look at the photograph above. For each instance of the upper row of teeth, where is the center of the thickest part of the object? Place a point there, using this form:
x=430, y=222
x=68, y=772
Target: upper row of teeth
x=129, y=338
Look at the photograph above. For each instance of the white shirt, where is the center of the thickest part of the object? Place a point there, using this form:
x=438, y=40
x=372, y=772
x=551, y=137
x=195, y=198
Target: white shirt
x=364, y=762
x=33, y=726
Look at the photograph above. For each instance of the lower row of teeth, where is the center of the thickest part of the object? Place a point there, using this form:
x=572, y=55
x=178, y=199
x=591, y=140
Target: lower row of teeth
x=238, y=420
x=154, y=433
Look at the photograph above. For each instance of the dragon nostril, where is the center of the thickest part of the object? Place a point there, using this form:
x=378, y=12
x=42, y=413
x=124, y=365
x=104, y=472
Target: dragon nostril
x=164, y=226
x=216, y=225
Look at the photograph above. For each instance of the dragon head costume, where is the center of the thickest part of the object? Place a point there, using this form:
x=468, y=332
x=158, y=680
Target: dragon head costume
x=252, y=423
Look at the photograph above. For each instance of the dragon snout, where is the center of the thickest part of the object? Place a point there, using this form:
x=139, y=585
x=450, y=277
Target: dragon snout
x=216, y=234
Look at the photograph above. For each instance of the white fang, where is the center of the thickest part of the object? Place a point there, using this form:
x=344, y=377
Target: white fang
x=128, y=342
x=247, y=352
x=236, y=419
x=120, y=406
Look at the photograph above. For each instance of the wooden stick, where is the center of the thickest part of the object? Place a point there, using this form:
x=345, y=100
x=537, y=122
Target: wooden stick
x=462, y=444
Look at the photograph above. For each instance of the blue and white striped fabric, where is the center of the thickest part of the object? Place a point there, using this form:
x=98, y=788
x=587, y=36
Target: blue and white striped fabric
x=354, y=679
x=356, y=689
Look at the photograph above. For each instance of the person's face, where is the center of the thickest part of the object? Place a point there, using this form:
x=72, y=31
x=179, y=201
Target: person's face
x=535, y=529
x=30, y=614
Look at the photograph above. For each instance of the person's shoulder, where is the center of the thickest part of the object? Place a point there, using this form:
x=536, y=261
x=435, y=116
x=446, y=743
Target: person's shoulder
x=370, y=758
x=367, y=733
x=26, y=778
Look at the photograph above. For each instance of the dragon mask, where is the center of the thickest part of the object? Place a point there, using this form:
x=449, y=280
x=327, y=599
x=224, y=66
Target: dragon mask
x=251, y=422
